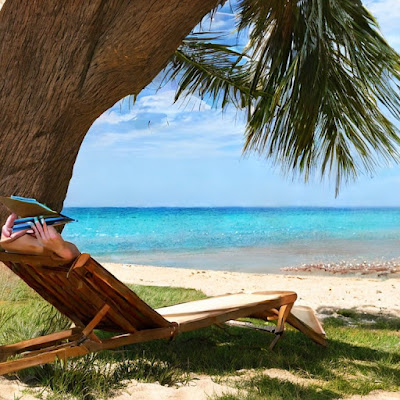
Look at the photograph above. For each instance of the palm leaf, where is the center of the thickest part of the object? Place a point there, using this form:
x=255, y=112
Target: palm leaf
x=210, y=69
x=331, y=71
x=314, y=77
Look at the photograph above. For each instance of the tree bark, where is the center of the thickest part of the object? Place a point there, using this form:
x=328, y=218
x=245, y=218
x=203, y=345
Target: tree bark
x=62, y=64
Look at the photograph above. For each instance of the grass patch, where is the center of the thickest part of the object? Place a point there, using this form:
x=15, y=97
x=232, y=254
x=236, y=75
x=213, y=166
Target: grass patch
x=362, y=355
x=164, y=296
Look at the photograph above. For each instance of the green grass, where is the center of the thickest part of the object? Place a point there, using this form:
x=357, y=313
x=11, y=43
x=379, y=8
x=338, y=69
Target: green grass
x=363, y=354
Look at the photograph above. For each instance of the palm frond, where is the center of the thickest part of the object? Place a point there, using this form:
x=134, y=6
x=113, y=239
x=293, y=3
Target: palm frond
x=330, y=71
x=209, y=69
x=314, y=78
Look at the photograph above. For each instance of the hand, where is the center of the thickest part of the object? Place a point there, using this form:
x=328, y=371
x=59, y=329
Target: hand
x=7, y=235
x=47, y=236
x=51, y=240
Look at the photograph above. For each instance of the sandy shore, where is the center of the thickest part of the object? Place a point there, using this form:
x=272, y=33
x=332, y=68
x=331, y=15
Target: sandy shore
x=322, y=292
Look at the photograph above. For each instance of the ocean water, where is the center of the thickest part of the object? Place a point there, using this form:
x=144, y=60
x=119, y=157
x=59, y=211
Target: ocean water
x=236, y=239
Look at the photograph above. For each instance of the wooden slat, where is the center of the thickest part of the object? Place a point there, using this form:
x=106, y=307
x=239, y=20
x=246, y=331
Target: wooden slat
x=49, y=349
x=115, y=320
x=120, y=305
x=61, y=270
x=128, y=294
x=32, y=260
x=49, y=357
x=64, y=352
x=95, y=321
x=86, y=295
x=84, y=309
x=137, y=337
x=57, y=295
x=32, y=279
x=47, y=340
x=240, y=312
x=129, y=312
x=116, y=313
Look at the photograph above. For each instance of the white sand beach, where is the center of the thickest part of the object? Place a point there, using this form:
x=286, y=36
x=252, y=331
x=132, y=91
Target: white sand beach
x=321, y=292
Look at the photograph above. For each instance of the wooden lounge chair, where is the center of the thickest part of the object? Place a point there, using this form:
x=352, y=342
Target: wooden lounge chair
x=94, y=299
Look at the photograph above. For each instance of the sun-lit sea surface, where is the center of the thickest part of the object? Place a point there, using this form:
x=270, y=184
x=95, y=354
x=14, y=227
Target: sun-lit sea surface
x=236, y=239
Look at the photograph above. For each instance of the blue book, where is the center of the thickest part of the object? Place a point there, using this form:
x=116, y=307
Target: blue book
x=28, y=208
x=23, y=223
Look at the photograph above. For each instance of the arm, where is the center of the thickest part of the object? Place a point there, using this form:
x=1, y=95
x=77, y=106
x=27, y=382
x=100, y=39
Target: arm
x=25, y=245
x=19, y=242
x=47, y=241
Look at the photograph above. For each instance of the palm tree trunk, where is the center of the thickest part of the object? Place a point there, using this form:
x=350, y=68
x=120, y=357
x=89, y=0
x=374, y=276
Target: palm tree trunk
x=62, y=64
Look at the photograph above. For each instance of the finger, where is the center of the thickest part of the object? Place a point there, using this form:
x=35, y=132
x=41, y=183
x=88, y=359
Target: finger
x=6, y=232
x=10, y=220
x=44, y=226
x=5, y=240
x=39, y=228
x=13, y=237
x=35, y=231
x=18, y=234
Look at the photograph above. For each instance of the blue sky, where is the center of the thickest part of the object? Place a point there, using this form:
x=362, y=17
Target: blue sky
x=156, y=153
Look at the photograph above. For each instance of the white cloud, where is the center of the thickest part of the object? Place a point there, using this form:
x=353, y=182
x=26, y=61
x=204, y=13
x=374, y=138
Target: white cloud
x=387, y=12
x=114, y=117
x=219, y=21
x=156, y=127
x=162, y=102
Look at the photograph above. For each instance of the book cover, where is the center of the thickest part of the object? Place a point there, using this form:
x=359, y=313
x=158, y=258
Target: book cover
x=27, y=209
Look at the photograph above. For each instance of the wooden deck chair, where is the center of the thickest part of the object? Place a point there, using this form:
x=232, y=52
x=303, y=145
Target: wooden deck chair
x=94, y=299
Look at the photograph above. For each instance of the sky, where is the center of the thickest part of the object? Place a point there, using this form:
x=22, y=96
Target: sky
x=156, y=153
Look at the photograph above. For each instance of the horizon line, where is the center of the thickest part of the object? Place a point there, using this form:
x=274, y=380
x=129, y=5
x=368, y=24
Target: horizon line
x=231, y=206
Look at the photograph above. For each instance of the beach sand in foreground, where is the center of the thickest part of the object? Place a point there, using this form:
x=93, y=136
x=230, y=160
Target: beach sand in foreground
x=321, y=292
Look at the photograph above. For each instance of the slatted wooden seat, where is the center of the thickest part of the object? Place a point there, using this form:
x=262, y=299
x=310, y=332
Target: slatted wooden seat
x=93, y=298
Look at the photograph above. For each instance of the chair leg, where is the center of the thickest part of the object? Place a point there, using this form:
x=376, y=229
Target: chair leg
x=283, y=313
x=279, y=315
x=278, y=335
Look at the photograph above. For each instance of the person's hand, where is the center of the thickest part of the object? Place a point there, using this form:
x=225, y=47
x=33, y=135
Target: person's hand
x=51, y=240
x=47, y=236
x=7, y=235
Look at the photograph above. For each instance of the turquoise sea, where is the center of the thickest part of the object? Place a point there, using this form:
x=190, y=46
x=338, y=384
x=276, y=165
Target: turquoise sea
x=236, y=239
